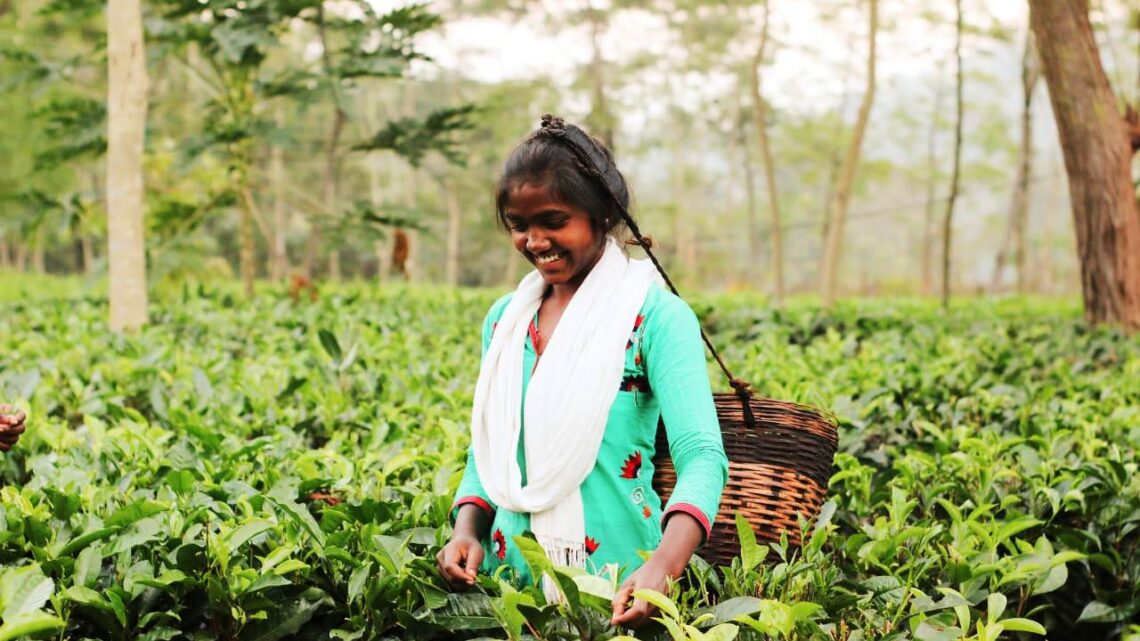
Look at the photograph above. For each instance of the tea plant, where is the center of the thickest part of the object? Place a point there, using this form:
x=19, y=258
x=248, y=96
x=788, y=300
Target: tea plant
x=280, y=470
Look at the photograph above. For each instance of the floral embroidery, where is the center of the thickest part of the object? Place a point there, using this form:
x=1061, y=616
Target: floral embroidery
x=500, y=544
x=638, y=383
x=591, y=545
x=633, y=334
x=645, y=511
x=632, y=466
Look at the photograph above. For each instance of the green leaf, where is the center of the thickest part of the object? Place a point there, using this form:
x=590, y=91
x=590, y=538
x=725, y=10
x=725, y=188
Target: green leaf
x=293, y=615
x=330, y=343
x=722, y=632
x=1022, y=625
x=1098, y=612
x=133, y=512
x=357, y=580
x=239, y=536
x=595, y=586
x=23, y=590
x=534, y=556
x=85, y=539
x=28, y=623
x=87, y=566
x=730, y=609
x=995, y=606
x=300, y=515
x=751, y=554
x=660, y=601
x=931, y=631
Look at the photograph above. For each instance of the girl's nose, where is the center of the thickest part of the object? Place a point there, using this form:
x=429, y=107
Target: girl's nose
x=537, y=242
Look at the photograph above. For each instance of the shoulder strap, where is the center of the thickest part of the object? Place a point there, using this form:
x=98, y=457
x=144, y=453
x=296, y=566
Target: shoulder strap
x=742, y=388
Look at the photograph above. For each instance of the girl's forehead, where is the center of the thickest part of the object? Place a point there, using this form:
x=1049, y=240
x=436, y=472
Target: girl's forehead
x=530, y=193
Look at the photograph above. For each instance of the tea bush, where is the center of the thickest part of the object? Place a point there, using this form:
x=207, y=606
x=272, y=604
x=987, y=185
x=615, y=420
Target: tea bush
x=260, y=471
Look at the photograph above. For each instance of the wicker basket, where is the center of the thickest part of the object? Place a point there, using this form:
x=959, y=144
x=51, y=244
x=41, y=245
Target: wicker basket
x=778, y=470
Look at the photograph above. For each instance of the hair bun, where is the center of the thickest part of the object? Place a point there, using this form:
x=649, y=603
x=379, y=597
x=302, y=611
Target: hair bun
x=553, y=126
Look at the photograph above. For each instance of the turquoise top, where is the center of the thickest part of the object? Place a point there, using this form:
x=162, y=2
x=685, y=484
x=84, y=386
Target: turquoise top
x=665, y=376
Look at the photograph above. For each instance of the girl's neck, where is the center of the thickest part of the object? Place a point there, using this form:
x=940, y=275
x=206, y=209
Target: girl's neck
x=560, y=295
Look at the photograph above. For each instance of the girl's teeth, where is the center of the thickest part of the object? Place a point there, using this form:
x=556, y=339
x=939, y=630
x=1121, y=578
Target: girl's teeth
x=548, y=259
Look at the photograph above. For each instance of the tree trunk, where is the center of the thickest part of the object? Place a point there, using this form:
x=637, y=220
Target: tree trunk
x=927, y=259
x=411, y=196
x=838, y=218
x=126, y=129
x=1098, y=153
x=752, y=273
x=1013, y=240
x=600, y=121
x=948, y=218
x=758, y=112
x=246, y=245
x=332, y=184
x=454, y=228
x=87, y=252
x=279, y=256
x=38, y=243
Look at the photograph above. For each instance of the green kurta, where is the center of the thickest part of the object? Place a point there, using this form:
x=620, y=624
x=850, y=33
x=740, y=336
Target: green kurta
x=665, y=376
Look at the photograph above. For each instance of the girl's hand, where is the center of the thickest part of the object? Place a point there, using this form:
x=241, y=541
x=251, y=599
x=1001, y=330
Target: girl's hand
x=682, y=536
x=459, y=561
x=651, y=576
x=11, y=426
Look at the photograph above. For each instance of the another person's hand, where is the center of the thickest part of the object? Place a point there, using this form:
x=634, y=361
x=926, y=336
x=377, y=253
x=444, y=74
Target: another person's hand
x=651, y=576
x=459, y=561
x=11, y=426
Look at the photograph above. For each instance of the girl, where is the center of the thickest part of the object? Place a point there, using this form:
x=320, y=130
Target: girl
x=579, y=362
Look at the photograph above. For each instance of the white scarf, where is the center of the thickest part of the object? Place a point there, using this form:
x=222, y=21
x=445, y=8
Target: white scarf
x=567, y=402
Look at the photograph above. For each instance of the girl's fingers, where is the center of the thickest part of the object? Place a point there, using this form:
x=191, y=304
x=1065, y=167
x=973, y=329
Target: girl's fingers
x=453, y=572
x=474, y=559
x=621, y=601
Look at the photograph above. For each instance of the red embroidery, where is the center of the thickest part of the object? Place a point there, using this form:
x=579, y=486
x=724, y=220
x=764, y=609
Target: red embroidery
x=591, y=545
x=632, y=466
x=636, y=324
x=637, y=383
x=645, y=511
x=500, y=544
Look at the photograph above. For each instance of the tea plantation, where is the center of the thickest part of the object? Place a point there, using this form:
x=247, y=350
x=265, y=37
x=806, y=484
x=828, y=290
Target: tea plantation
x=271, y=470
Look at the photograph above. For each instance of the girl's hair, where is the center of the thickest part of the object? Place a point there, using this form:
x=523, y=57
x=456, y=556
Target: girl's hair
x=577, y=168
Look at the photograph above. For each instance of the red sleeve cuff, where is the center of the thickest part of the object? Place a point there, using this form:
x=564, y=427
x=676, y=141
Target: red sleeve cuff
x=473, y=500
x=692, y=511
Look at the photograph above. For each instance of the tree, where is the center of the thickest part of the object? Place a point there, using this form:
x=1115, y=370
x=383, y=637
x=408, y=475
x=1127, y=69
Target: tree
x=1097, y=144
x=1013, y=241
x=955, y=176
x=758, y=113
x=842, y=197
x=126, y=120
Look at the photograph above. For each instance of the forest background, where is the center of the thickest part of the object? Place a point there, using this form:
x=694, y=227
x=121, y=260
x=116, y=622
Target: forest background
x=357, y=140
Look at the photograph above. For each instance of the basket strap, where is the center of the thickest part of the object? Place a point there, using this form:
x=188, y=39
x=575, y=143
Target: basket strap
x=742, y=388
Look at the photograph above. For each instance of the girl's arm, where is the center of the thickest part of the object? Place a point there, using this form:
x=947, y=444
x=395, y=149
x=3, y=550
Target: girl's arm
x=683, y=534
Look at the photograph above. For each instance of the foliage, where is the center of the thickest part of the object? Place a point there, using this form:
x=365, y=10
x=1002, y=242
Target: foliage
x=235, y=472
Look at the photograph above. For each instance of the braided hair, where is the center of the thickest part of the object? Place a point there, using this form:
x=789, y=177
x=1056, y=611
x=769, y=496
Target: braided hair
x=577, y=169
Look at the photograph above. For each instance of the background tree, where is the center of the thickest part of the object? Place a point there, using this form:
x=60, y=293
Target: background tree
x=842, y=197
x=955, y=175
x=126, y=132
x=1098, y=145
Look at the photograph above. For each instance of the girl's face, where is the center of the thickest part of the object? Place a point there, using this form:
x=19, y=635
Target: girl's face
x=557, y=238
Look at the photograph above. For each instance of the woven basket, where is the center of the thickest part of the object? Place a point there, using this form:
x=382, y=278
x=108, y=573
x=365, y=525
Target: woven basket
x=779, y=454
x=777, y=471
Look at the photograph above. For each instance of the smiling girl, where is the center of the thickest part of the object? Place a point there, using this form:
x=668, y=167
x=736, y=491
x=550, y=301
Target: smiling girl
x=579, y=363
